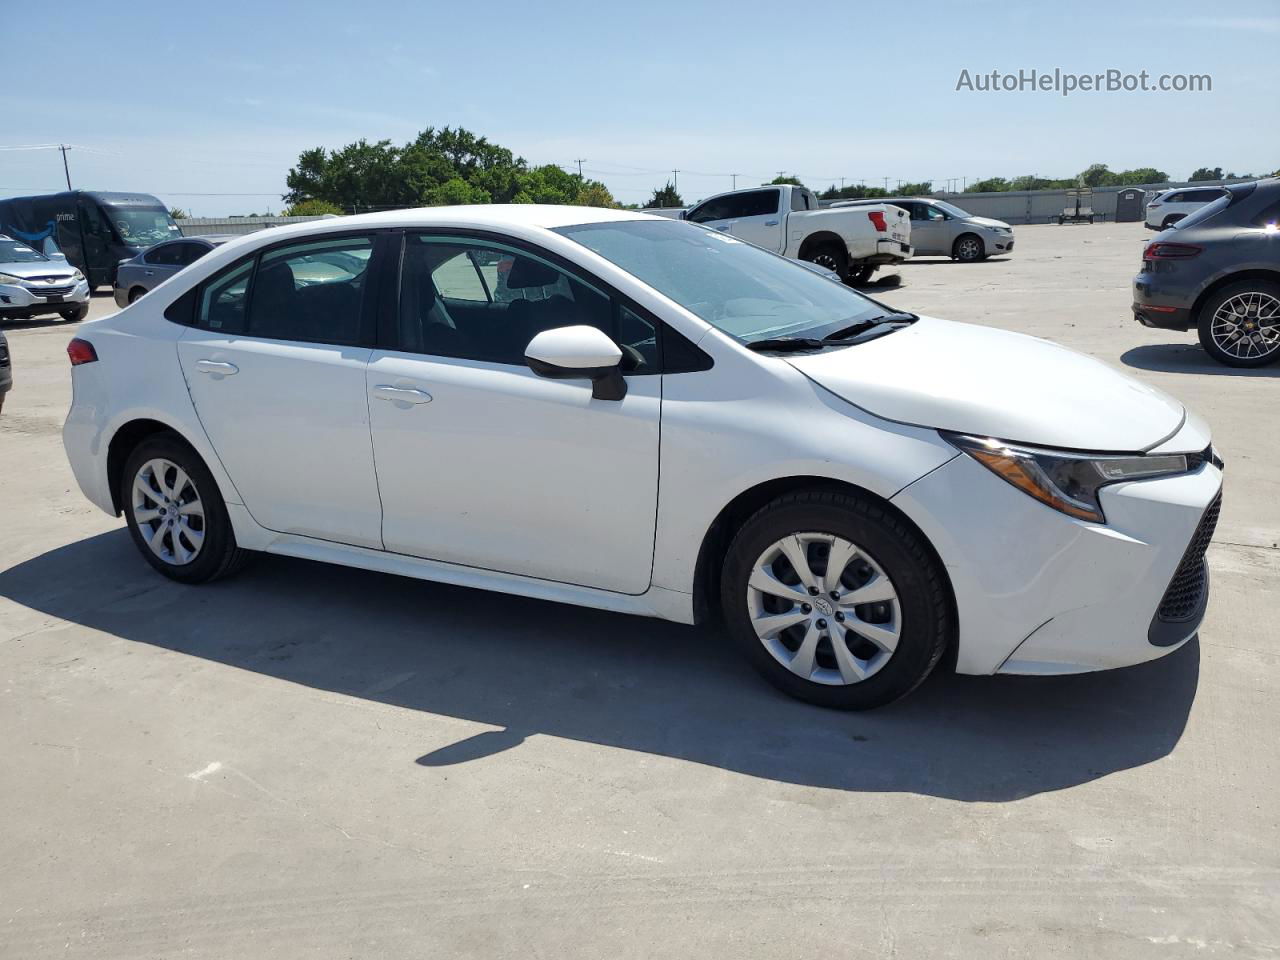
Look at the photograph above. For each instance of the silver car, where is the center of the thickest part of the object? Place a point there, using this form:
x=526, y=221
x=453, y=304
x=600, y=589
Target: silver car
x=32, y=283
x=941, y=229
x=157, y=264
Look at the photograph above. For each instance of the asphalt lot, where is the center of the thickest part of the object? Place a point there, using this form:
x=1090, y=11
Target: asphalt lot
x=308, y=761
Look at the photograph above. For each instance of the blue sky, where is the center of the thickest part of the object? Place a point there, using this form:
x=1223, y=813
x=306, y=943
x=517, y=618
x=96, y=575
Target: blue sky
x=219, y=98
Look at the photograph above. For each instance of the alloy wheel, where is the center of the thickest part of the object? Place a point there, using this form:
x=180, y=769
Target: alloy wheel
x=824, y=608
x=969, y=249
x=1247, y=325
x=168, y=511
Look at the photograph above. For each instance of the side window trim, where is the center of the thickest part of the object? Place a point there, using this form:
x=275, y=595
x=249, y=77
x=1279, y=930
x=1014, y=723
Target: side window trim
x=370, y=300
x=389, y=305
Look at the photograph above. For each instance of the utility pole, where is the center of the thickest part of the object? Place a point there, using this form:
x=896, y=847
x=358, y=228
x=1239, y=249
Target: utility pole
x=675, y=180
x=735, y=180
x=65, y=169
x=579, y=162
x=842, y=183
x=886, y=184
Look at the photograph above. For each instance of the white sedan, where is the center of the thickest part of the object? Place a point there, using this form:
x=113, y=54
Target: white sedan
x=643, y=415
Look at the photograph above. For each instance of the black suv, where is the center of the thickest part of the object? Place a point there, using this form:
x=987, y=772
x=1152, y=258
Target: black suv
x=1218, y=270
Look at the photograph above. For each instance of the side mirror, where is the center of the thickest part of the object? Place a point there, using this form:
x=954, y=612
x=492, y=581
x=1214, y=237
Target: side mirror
x=58, y=255
x=579, y=353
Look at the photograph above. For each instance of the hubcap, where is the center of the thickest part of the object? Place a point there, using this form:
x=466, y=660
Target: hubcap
x=968, y=249
x=168, y=511
x=824, y=609
x=1247, y=326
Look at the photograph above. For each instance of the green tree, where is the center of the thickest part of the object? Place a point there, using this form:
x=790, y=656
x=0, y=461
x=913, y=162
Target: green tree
x=1205, y=173
x=1140, y=175
x=593, y=193
x=311, y=208
x=990, y=185
x=858, y=192
x=667, y=196
x=793, y=181
x=915, y=189
x=178, y=213
x=1096, y=175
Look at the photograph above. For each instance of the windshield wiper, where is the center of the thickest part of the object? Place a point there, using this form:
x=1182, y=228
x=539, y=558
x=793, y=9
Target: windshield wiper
x=788, y=343
x=862, y=326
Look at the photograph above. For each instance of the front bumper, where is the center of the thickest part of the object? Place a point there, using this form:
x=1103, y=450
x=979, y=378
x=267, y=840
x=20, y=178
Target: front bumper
x=1038, y=592
x=23, y=300
x=1000, y=243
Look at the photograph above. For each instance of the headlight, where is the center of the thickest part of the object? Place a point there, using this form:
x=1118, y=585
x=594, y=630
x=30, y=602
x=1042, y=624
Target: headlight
x=1068, y=482
x=8, y=278
x=77, y=276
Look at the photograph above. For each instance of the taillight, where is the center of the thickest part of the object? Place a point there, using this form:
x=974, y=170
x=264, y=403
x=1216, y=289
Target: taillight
x=877, y=219
x=1170, y=251
x=81, y=351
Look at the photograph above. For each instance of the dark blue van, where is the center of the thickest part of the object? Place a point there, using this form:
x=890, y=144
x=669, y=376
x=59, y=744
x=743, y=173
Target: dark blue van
x=95, y=229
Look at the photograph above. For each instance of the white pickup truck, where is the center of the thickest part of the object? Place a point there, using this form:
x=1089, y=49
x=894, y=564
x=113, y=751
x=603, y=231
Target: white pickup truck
x=853, y=242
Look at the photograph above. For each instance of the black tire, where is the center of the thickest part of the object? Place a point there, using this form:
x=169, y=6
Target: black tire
x=968, y=248
x=76, y=313
x=135, y=293
x=218, y=556
x=903, y=556
x=1170, y=220
x=861, y=276
x=1204, y=324
x=830, y=255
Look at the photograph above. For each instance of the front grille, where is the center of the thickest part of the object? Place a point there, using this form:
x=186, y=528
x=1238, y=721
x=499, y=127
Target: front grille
x=52, y=291
x=1183, y=599
x=46, y=278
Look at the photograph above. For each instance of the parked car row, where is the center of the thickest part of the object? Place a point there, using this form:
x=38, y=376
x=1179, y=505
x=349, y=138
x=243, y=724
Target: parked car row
x=649, y=416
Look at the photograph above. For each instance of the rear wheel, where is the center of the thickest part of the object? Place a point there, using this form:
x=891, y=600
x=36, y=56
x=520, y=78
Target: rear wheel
x=1240, y=324
x=830, y=255
x=1170, y=220
x=862, y=275
x=968, y=248
x=135, y=293
x=835, y=600
x=176, y=515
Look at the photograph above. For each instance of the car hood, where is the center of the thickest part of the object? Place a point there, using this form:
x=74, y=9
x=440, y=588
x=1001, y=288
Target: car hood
x=993, y=383
x=45, y=268
x=987, y=222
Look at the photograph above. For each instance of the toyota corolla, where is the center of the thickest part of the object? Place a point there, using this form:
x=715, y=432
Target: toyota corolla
x=642, y=415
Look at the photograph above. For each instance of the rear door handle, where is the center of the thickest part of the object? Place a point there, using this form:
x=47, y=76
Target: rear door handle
x=384, y=391
x=771, y=223
x=216, y=368
x=148, y=273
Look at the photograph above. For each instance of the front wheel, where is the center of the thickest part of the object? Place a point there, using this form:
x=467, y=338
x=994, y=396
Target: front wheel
x=176, y=515
x=76, y=313
x=1240, y=324
x=968, y=249
x=835, y=600
x=861, y=276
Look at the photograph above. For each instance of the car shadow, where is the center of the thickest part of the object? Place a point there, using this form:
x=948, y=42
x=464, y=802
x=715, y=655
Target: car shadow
x=532, y=668
x=1188, y=358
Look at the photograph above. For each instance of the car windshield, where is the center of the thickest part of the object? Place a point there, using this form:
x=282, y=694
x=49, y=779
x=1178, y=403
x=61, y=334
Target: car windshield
x=952, y=209
x=747, y=292
x=14, y=251
x=140, y=227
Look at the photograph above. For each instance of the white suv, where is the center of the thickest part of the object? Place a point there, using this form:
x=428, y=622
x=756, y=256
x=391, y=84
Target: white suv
x=1169, y=206
x=647, y=416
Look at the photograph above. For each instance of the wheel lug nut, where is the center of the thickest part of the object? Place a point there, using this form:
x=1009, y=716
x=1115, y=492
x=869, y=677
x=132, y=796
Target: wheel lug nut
x=822, y=624
x=839, y=616
x=835, y=595
x=813, y=591
x=805, y=608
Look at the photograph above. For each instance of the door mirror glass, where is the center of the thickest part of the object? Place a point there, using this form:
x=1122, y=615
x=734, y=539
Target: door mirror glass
x=579, y=353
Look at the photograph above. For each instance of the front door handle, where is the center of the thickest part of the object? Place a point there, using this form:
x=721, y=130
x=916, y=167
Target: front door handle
x=148, y=273
x=771, y=223
x=216, y=368
x=384, y=391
